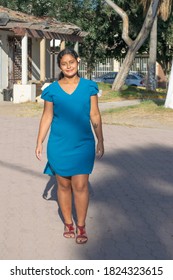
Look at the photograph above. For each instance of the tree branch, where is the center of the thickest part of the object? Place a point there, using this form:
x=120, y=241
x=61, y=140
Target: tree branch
x=125, y=18
x=147, y=25
x=133, y=46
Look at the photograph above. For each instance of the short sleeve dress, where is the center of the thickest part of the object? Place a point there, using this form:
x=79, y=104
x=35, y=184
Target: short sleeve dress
x=71, y=144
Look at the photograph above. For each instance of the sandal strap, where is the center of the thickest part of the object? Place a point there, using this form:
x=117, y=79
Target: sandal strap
x=82, y=230
x=81, y=237
x=69, y=226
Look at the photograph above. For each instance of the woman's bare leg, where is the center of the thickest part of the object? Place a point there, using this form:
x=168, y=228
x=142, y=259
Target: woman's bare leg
x=81, y=200
x=64, y=194
x=81, y=197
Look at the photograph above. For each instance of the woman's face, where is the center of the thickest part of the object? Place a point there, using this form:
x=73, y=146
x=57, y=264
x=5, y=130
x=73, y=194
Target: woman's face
x=69, y=65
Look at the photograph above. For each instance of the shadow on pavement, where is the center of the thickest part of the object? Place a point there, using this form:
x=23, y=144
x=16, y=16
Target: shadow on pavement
x=131, y=206
x=135, y=192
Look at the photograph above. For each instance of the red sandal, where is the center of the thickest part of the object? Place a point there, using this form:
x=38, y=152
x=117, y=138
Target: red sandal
x=81, y=238
x=69, y=231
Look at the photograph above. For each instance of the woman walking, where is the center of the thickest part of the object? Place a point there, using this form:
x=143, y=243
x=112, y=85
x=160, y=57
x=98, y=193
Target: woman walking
x=69, y=105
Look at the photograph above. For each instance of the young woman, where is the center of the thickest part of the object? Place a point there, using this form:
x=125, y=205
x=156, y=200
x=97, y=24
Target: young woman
x=69, y=106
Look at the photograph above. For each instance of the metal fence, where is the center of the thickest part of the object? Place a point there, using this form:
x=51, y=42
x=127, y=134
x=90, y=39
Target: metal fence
x=140, y=64
x=101, y=68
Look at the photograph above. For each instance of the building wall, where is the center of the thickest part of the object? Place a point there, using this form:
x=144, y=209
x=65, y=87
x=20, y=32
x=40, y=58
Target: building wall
x=48, y=70
x=3, y=61
x=161, y=78
x=36, y=59
x=57, y=70
x=6, y=61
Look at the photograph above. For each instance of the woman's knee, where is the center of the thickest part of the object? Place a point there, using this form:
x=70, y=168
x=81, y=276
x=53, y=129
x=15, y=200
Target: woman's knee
x=64, y=184
x=80, y=183
x=80, y=187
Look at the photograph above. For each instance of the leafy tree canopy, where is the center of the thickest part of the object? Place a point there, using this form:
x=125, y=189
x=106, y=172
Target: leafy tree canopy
x=102, y=24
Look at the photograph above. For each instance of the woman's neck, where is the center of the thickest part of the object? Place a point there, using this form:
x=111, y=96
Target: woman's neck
x=71, y=80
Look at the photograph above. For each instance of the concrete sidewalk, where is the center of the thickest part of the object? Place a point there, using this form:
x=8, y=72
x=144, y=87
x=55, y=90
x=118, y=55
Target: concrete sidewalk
x=116, y=104
x=131, y=197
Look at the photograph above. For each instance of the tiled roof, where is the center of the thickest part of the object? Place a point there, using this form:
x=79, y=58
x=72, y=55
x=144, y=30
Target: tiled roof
x=39, y=27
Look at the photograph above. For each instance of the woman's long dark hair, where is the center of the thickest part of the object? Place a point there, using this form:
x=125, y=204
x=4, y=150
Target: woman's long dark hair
x=70, y=51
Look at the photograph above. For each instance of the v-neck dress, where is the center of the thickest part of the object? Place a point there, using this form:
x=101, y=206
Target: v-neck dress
x=71, y=144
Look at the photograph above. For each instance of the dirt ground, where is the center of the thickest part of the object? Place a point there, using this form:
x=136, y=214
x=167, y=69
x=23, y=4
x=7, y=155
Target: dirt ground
x=27, y=109
x=133, y=120
x=130, y=117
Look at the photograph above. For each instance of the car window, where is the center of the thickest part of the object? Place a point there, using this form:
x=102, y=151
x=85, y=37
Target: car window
x=132, y=77
x=110, y=76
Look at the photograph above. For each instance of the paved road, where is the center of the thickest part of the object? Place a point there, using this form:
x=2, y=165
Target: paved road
x=116, y=104
x=131, y=193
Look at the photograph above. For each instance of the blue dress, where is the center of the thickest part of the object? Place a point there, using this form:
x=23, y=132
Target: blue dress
x=71, y=144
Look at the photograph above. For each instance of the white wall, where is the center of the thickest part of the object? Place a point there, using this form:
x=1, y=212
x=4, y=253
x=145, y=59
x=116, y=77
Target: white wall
x=3, y=61
x=116, y=65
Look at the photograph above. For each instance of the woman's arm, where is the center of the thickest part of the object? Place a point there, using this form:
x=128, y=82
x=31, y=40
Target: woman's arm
x=44, y=126
x=97, y=124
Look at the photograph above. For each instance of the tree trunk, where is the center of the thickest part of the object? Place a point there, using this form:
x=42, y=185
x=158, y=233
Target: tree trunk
x=151, y=76
x=124, y=70
x=89, y=70
x=169, y=96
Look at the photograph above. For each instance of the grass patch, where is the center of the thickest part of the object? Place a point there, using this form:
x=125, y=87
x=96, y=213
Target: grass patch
x=30, y=109
x=146, y=114
x=146, y=105
x=104, y=86
x=128, y=92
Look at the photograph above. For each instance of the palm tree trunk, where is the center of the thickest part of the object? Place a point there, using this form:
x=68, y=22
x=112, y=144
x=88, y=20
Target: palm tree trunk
x=151, y=77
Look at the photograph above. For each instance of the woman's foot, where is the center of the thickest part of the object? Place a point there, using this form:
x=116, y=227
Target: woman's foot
x=69, y=231
x=81, y=237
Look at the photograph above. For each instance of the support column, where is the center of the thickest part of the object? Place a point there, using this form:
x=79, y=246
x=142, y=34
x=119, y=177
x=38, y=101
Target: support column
x=43, y=59
x=62, y=45
x=25, y=60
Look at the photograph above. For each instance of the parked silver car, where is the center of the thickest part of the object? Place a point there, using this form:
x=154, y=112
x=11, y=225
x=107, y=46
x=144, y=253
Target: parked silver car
x=132, y=79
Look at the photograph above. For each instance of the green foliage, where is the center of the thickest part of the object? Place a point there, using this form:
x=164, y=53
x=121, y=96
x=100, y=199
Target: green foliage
x=20, y=5
x=103, y=25
x=35, y=7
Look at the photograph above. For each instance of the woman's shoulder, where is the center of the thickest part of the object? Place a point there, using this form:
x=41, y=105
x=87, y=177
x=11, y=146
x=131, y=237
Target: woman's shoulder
x=48, y=86
x=48, y=90
x=92, y=86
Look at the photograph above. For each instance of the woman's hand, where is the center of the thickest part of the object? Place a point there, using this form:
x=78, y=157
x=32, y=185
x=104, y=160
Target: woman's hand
x=100, y=149
x=38, y=151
